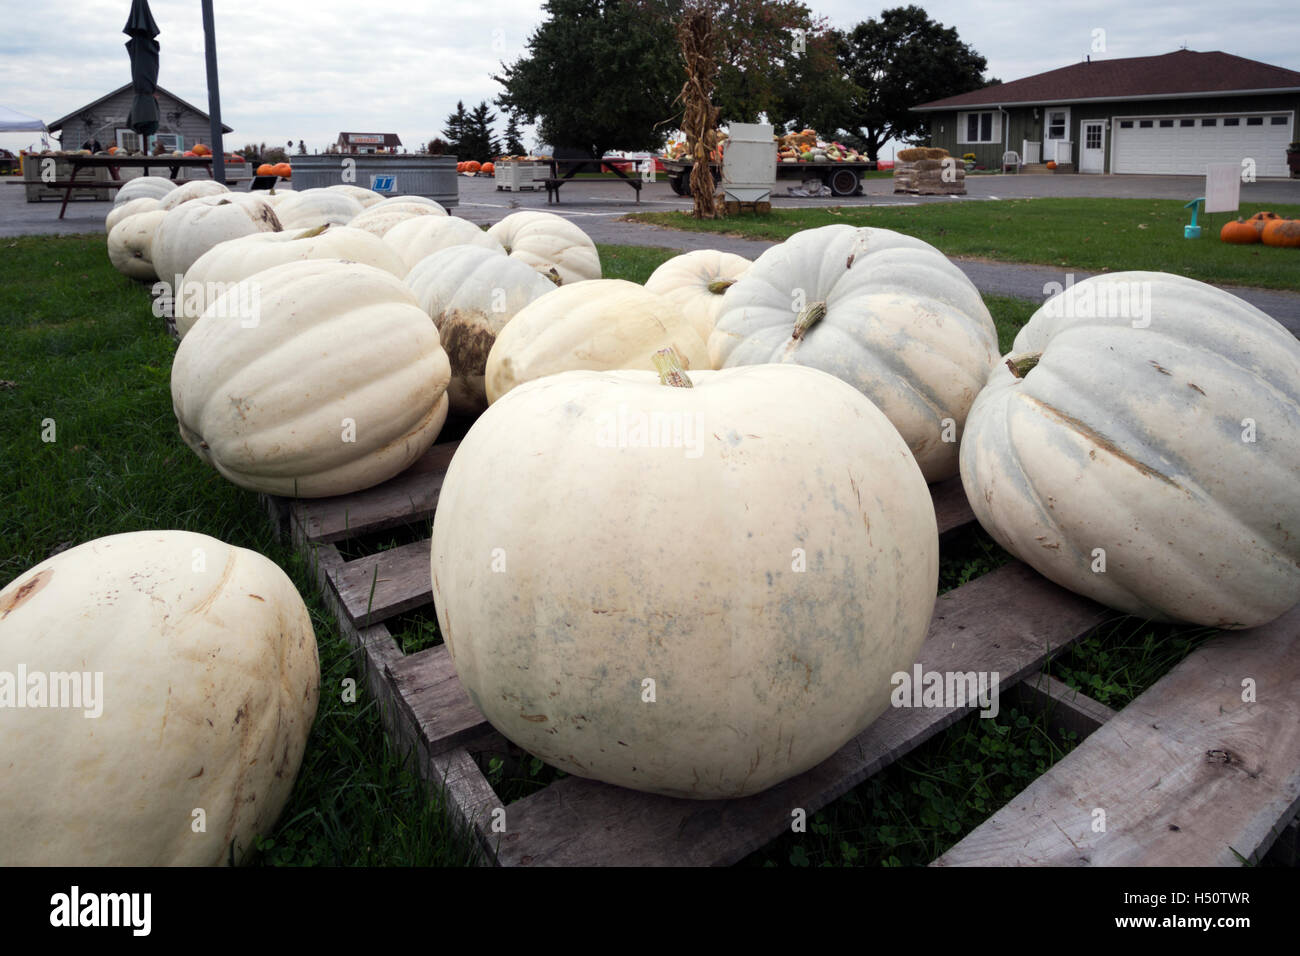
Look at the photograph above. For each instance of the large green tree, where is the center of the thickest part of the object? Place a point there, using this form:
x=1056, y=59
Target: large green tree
x=514, y=144
x=598, y=75
x=456, y=128
x=899, y=61
x=479, y=141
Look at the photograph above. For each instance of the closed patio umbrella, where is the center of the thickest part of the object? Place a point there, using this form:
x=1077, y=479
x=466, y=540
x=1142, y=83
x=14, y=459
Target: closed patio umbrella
x=143, y=50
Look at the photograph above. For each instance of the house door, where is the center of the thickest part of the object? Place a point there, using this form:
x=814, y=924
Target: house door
x=1092, y=149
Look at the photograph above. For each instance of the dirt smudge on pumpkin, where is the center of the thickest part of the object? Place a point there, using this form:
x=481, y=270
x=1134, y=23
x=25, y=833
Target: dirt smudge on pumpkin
x=466, y=342
x=1102, y=442
x=25, y=592
x=535, y=718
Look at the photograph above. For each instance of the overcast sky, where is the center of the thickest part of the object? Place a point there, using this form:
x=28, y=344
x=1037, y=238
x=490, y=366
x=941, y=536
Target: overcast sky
x=306, y=69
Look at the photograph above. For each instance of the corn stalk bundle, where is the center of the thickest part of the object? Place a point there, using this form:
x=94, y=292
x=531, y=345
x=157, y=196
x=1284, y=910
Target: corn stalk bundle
x=697, y=37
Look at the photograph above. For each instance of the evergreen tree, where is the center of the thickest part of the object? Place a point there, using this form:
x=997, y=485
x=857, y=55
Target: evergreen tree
x=514, y=141
x=456, y=129
x=479, y=140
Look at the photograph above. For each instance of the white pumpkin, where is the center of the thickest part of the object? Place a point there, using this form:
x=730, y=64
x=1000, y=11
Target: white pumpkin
x=197, y=675
x=143, y=187
x=311, y=379
x=235, y=260
x=131, y=207
x=194, y=227
x=471, y=292
x=599, y=324
x=316, y=207
x=390, y=201
x=379, y=218
x=414, y=239
x=195, y=189
x=274, y=197
x=1148, y=457
x=648, y=532
x=885, y=312
x=367, y=197
x=549, y=244
x=695, y=283
x=130, y=245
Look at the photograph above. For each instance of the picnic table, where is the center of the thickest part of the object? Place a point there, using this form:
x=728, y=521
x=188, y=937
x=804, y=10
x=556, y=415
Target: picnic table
x=564, y=168
x=116, y=163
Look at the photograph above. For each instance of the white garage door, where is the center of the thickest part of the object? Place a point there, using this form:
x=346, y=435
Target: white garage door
x=1182, y=145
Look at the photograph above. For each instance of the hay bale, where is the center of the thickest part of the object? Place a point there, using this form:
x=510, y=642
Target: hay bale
x=934, y=152
x=911, y=155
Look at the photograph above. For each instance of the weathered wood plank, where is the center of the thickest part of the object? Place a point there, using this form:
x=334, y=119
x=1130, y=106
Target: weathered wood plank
x=951, y=509
x=382, y=585
x=1009, y=621
x=1188, y=774
x=1065, y=706
x=405, y=499
x=469, y=798
x=435, y=702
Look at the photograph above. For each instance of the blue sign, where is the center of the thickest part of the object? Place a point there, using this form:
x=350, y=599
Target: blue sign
x=383, y=184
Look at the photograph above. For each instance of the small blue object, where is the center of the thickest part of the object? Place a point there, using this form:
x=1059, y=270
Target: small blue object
x=1193, y=231
x=383, y=184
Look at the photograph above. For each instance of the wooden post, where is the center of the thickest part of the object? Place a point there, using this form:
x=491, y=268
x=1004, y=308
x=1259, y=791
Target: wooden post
x=214, y=95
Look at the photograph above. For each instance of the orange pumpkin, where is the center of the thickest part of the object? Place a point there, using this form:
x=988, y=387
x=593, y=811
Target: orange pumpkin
x=473, y=166
x=266, y=169
x=112, y=150
x=1051, y=164
x=1262, y=219
x=1240, y=233
x=1284, y=233
x=489, y=168
x=283, y=170
x=201, y=150
x=460, y=167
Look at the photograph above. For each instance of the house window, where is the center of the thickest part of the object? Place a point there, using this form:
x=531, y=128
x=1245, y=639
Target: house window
x=1187, y=122
x=1144, y=124
x=1092, y=135
x=1277, y=120
x=1232, y=121
x=1166, y=124
x=170, y=141
x=128, y=139
x=1126, y=124
x=1254, y=121
x=978, y=128
x=1209, y=122
x=1057, y=123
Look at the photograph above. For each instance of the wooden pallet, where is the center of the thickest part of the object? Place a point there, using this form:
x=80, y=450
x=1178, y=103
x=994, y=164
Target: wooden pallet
x=1010, y=621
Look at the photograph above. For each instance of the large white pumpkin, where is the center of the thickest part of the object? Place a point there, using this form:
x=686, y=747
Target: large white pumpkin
x=599, y=324
x=311, y=379
x=195, y=189
x=194, y=227
x=367, y=197
x=698, y=592
x=391, y=201
x=1148, y=457
x=380, y=217
x=227, y=263
x=130, y=245
x=131, y=207
x=471, y=292
x=422, y=236
x=550, y=244
x=696, y=281
x=203, y=662
x=148, y=187
x=316, y=207
x=885, y=312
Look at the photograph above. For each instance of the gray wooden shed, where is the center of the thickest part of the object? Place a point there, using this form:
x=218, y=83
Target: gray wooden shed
x=180, y=124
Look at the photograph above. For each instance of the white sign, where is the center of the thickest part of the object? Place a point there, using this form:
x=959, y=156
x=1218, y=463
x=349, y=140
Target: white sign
x=1222, y=187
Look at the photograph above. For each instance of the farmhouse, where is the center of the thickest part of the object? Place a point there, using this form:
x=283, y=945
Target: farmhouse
x=1168, y=114
x=180, y=124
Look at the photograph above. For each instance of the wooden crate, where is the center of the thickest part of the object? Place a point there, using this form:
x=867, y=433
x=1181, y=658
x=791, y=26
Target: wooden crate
x=1010, y=621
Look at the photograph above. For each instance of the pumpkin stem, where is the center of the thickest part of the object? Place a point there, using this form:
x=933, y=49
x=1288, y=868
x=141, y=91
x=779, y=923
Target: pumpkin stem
x=311, y=233
x=1022, y=366
x=670, y=369
x=719, y=286
x=553, y=276
x=808, y=318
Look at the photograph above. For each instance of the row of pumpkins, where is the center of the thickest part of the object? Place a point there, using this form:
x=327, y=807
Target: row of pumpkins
x=688, y=539
x=474, y=167
x=1266, y=227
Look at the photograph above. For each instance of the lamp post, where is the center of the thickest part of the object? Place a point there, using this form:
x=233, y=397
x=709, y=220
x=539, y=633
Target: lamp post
x=214, y=95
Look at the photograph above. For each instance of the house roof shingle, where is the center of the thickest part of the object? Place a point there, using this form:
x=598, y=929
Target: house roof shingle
x=1181, y=73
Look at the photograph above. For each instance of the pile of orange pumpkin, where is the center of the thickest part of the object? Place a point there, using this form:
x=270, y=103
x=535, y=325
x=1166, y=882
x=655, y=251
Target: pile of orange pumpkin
x=283, y=170
x=474, y=166
x=1266, y=227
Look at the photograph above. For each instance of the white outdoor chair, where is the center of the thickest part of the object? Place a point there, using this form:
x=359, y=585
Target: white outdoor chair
x=1011, y=159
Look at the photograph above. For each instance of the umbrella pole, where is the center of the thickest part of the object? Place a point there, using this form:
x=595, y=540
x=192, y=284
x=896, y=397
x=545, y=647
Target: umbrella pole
x=214, y=95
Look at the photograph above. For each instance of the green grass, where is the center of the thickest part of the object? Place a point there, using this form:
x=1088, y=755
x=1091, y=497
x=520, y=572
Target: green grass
x=1094, y=235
